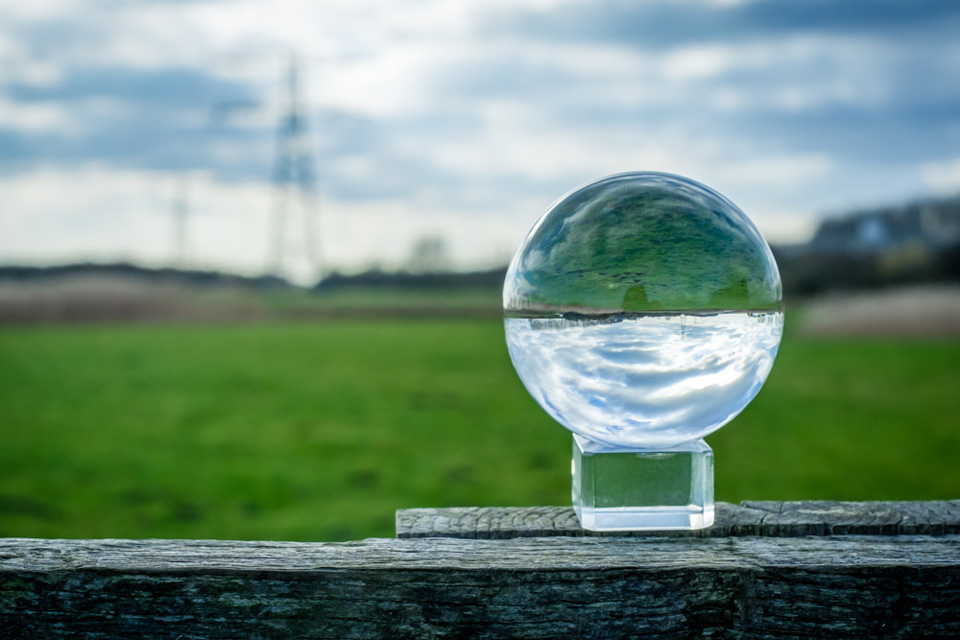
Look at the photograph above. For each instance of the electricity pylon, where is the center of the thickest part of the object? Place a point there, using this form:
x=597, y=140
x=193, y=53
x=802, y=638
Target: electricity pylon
x=295, y=199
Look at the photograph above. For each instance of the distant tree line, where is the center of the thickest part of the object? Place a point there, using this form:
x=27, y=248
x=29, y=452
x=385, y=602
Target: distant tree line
x=805, y=270
x=914, y=243
x=406, y=280
x=163, y=275
x=812, y=271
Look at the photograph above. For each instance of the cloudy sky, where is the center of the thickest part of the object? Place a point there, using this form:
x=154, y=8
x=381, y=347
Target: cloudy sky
x=458, y=120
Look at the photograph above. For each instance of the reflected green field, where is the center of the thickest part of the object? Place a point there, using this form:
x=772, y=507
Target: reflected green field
x=320, y=431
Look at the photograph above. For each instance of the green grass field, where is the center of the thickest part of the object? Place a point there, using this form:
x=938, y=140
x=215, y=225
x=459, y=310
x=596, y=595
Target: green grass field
x=320, y=431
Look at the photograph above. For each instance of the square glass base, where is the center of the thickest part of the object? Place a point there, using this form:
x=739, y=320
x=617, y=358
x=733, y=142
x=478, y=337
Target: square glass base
x=616, y=489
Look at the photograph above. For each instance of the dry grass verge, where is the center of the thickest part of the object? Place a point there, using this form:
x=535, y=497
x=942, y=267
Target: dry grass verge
x=916, y=312
x=112, y=298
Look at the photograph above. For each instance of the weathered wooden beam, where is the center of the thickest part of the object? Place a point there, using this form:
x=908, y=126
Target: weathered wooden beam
x=837, y=587
x=752, y=518
x=740, y=586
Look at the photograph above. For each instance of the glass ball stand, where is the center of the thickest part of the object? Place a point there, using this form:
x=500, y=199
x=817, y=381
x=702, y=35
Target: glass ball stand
x=622, y=489
x=643, y=312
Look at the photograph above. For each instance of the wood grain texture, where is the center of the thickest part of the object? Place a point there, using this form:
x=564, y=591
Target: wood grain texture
x=781, y=584
x=828, y=587
x=752, y=518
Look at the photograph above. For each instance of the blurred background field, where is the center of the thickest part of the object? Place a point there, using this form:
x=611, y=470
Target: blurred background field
x=318, y=429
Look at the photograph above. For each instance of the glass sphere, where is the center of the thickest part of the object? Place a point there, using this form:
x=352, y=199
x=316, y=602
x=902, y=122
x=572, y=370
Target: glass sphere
x=643, y=310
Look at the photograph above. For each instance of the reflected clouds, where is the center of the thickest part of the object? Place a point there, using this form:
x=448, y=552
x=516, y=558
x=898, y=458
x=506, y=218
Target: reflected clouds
x=645, y=381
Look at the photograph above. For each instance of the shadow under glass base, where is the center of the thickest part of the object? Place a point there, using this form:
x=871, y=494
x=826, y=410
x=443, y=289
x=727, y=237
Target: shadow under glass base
x=617, y=489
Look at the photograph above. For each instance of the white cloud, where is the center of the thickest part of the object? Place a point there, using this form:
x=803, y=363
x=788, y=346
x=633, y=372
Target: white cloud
x=35, y=117
x=791, y=74
x=942, y=177
x=95, y=212
x=39, y=10
x=786, y=171
x=19, y=68
x=692, y=63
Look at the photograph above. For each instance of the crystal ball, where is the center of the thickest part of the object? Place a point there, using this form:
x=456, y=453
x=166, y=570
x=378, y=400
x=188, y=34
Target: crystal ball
x=643, y=310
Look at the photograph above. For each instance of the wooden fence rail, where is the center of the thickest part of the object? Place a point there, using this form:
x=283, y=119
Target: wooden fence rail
x=766, y=570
